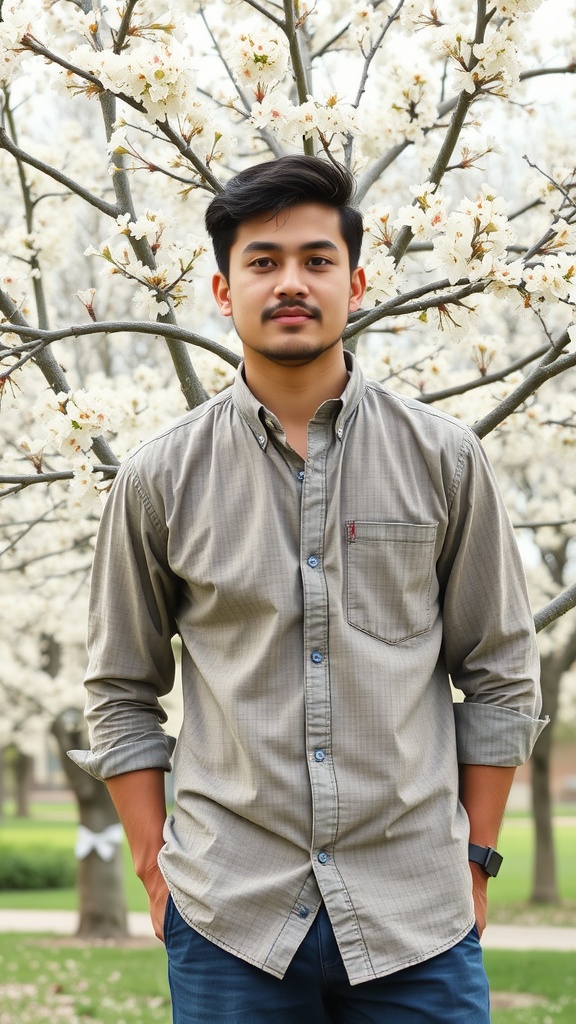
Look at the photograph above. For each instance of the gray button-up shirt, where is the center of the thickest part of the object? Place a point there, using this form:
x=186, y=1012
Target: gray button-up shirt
x=323, y=608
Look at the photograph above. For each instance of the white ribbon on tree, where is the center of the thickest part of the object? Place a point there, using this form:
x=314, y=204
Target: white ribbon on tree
x=102, y=843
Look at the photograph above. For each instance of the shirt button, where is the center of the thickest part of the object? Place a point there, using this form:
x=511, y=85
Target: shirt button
x=323, y=857
x=312, y=561
x=301, y=474
x=303, y=912
x=319, y=755
x=317, y=657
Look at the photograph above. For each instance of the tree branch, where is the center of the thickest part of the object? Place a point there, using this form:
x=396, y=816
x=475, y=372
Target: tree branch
x=263, y=10
x=50, y=477
x=554, y=609
x=480, y=382
x=302, y=85
x=408, y=303
x=369, y=57
x=119, y=37
x=189, y=380
x=99, y=204
x=169, y=331
x=569, y=69
x=532, y=382
x=51, y=369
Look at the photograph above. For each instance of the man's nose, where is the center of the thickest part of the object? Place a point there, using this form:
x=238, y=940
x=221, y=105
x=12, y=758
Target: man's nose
x=291, y=281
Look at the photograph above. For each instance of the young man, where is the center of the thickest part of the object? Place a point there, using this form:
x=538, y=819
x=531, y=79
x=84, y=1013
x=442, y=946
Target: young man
x=330, y=554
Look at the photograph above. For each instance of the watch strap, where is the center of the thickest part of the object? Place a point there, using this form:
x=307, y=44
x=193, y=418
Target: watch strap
x=487, y=857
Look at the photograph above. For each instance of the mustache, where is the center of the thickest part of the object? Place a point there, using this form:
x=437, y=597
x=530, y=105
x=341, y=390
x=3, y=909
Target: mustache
x=312, y=311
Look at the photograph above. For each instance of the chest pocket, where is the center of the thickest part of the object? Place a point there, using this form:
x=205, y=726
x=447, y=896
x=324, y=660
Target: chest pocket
x=390, y=571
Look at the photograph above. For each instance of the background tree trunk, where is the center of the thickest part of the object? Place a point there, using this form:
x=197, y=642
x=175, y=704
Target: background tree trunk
x=544, y=880
x=102, y=903
x=2, y=780
x=22, y=768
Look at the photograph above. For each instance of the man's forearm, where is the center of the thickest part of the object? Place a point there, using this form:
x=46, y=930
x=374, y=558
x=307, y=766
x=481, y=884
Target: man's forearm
x=141, y=804
x=484, y=791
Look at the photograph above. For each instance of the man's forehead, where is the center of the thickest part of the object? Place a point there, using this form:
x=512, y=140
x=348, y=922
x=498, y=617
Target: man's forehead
x=311, y=225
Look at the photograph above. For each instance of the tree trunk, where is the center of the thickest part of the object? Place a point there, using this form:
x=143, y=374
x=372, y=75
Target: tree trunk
x=22, y=768
x=544, y=881
x=102, y=904
x=100, y=883
x=2, y=780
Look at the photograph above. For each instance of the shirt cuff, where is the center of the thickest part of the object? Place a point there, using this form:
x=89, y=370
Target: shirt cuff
x=128, y=757
x=493, y=735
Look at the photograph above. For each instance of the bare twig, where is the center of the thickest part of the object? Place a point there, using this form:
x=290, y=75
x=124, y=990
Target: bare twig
x=120, y=36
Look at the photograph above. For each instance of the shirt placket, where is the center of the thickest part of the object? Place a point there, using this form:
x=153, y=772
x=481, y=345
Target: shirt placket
x=316, y=651
x=317, y=677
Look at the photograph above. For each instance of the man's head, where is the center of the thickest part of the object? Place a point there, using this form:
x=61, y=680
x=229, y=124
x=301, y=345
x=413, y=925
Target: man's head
x=273, y=187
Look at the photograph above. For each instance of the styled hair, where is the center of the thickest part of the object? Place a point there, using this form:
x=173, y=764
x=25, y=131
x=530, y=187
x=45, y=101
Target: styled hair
x=276, y=186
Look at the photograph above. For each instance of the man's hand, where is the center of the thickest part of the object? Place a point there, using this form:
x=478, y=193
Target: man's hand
x=157, y=899
x=479, y=895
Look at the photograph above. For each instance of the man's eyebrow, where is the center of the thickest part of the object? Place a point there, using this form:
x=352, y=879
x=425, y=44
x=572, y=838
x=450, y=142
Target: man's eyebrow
x=321, y=243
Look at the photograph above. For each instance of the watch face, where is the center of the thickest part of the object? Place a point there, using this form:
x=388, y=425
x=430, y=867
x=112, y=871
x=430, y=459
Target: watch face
x=492, y=862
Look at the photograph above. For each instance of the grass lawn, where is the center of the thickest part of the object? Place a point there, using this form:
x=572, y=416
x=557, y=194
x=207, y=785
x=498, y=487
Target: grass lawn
x=42, y=979
x=548, y=977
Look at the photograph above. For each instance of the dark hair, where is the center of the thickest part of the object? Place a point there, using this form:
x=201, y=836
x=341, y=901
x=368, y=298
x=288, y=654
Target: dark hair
x=275, y=186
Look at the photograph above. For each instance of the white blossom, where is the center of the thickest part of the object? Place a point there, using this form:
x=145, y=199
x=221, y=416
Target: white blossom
x=553, y=278
x=427, y=215
x=258, y=58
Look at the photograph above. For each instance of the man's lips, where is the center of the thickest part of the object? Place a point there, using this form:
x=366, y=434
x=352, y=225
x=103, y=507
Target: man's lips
x=292, y=315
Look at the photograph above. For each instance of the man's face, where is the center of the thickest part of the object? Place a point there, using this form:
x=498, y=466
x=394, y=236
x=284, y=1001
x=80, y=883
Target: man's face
x=290, y=289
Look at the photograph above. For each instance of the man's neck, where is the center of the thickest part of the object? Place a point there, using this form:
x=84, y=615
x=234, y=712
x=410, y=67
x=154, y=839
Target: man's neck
x=294, y=393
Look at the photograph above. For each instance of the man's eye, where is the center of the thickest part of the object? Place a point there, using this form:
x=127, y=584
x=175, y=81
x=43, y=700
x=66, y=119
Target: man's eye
x=262, y=262
x=319, y=261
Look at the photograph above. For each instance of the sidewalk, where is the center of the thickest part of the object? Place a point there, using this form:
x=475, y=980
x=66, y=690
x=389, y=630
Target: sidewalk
x=496, y=936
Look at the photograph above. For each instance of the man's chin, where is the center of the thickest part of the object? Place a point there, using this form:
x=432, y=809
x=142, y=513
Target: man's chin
x=294, y=354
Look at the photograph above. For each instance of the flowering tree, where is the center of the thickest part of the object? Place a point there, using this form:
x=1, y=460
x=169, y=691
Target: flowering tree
x=120, y=123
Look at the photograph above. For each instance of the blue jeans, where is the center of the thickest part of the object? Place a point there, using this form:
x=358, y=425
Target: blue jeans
x=211, y=986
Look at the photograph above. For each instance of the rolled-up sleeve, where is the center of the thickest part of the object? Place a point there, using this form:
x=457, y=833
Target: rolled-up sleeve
x=130, y=630
x=489, y=638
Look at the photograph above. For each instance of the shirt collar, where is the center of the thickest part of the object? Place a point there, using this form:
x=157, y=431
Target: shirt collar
x=338, y=410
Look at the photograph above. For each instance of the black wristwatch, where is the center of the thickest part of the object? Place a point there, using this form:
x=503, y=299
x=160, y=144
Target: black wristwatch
x=487, y=857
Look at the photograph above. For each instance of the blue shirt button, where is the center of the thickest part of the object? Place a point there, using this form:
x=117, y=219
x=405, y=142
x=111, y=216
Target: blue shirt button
x=313, y=561
x=301, y=474
x=323, y=857
x=303, y=912
x=317, y=657
x=319, y=755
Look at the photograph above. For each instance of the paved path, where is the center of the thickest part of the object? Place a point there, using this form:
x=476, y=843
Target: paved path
x=496, y=936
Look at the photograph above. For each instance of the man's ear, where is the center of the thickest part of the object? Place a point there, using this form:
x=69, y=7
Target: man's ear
x=357, y=289
x=221, y=292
